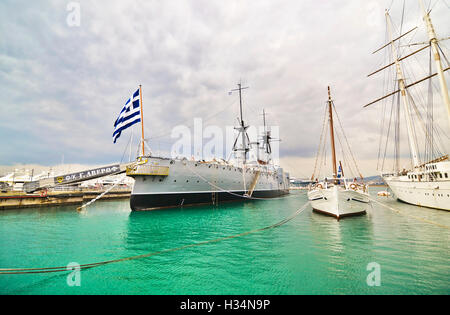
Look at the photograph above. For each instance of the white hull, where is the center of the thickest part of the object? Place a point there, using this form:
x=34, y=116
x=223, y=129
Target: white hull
x=434, y=194
x=339, y=202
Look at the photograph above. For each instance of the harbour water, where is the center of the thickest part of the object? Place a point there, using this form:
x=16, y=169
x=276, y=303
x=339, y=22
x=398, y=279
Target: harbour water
x=311, y=254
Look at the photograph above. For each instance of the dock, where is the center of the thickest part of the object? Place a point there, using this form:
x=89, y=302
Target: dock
x=20, y=200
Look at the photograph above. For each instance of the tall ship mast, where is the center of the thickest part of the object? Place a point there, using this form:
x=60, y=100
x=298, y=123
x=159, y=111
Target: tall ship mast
x=427, y=181
x=162, y=182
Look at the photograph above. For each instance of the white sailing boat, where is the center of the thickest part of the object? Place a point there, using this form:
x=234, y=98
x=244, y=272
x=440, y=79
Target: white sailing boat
x=427, y=181
x=337, y=197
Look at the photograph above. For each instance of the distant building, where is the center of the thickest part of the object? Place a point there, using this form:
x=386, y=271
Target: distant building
x=297, y=182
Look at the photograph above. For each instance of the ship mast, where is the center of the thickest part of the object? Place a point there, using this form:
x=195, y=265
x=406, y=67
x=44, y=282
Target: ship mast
x=242, y=128
x=405, y=100
x=333, y=147
x=437, y=58
x=266, y=137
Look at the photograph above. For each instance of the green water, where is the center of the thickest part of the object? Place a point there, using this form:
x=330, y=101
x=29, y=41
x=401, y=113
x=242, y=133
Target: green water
x=312, y=254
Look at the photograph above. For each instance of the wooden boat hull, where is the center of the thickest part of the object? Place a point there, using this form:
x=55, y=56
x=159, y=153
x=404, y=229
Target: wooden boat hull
x=339, y=202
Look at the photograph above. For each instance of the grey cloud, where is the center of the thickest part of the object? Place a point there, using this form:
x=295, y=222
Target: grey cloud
x=63, y=86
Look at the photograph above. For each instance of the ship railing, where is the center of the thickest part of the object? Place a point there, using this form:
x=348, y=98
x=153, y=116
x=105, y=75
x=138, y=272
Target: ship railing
x=150, y=170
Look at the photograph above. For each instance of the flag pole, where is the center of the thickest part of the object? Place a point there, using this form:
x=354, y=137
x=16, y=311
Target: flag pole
x=142, y=119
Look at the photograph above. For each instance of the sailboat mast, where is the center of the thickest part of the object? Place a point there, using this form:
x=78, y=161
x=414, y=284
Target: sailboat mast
x=333, y=147
x=405, y=100
x=437, y=58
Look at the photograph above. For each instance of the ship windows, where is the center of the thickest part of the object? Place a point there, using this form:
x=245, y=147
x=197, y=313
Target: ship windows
x=440, y=175
x=446, y=175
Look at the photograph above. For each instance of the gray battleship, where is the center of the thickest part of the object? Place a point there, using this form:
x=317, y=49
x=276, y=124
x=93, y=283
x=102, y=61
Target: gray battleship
x=166, y=182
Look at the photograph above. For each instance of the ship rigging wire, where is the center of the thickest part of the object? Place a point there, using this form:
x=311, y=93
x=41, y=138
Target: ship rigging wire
x=228, y=191
x=347, y=153
x=10, y=271
x=431, y=133
x=409, y=215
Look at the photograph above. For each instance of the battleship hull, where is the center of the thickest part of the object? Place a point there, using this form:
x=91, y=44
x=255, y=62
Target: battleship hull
x=159, y=201
x=167, y=183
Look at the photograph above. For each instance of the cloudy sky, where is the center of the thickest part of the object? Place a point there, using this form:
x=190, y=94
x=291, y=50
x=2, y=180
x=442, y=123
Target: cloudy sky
x=62, y=86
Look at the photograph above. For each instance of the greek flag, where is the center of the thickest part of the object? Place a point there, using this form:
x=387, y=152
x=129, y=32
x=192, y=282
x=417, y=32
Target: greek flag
x=130, y=115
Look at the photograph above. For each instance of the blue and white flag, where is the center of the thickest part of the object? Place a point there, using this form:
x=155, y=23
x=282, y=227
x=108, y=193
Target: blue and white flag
x=130, y=115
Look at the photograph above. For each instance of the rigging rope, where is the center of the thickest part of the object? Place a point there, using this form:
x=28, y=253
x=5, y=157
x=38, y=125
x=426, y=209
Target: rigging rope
x=9, y=271
x=409, y=215
x=346, y=141
x=388, y=134
x=320, y=144
x=228, y=191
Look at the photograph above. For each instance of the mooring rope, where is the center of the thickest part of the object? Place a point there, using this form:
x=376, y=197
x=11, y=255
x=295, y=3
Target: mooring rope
x=118, y=181
x=92, y=265
x=101, y=195
x=409, y=215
